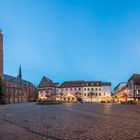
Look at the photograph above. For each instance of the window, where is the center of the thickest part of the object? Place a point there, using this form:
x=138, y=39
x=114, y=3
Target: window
x=96, y=89
x=75, y=89
x=79, y=88
x=100, y=89
x=88, y=89
x=71, y=89
x=84, y=89
x=92, y=89
x=99, y=94
x=47, y=91
x=66, y=89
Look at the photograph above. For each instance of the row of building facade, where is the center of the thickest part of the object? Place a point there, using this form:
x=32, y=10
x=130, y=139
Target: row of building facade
x=129, y=90
x=73, y=91
x=90, y=91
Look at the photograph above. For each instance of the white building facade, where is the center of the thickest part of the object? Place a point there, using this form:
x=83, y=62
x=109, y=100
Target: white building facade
x=87, y=91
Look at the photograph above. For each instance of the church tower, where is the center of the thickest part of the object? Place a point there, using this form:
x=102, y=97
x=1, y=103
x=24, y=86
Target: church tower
x=1, y=54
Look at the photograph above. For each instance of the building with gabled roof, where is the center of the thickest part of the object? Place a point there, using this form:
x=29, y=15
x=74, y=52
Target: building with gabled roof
x=129, y=90
x=83, y=91
x=134, y=87
x=45, y=82
x=121, y=92
x=46, y=88
x=18, y=90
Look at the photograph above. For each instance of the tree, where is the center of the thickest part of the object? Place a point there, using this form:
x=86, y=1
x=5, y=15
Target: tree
x=2, y=96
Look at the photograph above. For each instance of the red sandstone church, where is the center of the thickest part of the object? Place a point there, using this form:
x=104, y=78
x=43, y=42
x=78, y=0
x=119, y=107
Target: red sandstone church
x=16, y=90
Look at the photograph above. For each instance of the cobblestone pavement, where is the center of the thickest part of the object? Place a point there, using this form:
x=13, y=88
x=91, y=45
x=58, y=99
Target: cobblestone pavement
x=70, y=122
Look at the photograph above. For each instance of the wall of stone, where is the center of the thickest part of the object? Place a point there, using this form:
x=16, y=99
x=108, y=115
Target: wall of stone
x=1, y=54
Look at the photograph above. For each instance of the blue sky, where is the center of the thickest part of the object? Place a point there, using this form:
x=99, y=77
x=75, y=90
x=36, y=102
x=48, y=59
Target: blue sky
x=71, y=39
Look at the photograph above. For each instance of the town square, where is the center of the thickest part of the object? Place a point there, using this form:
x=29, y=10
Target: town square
x=69, y=70
x=70, y=122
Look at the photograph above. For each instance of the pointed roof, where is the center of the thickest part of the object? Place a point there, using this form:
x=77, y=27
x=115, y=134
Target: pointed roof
x=16, y=80
x=135, y=78
x=46, y=82
x=20, y=72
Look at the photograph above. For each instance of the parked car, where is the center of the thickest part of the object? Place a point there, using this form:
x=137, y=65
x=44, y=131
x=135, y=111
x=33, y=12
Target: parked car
x=131, y=102
x=123, y=102
x=103, y=102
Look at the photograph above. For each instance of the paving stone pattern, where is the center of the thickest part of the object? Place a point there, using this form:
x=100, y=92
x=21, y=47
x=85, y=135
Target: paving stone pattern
x=70, y=122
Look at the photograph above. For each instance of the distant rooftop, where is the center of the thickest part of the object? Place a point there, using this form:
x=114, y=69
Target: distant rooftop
x=15, y=79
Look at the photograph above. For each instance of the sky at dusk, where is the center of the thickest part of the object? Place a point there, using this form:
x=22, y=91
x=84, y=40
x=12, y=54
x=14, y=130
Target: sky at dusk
x=71, y=39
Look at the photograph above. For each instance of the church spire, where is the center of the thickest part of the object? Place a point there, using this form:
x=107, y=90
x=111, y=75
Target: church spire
x=20, y=73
